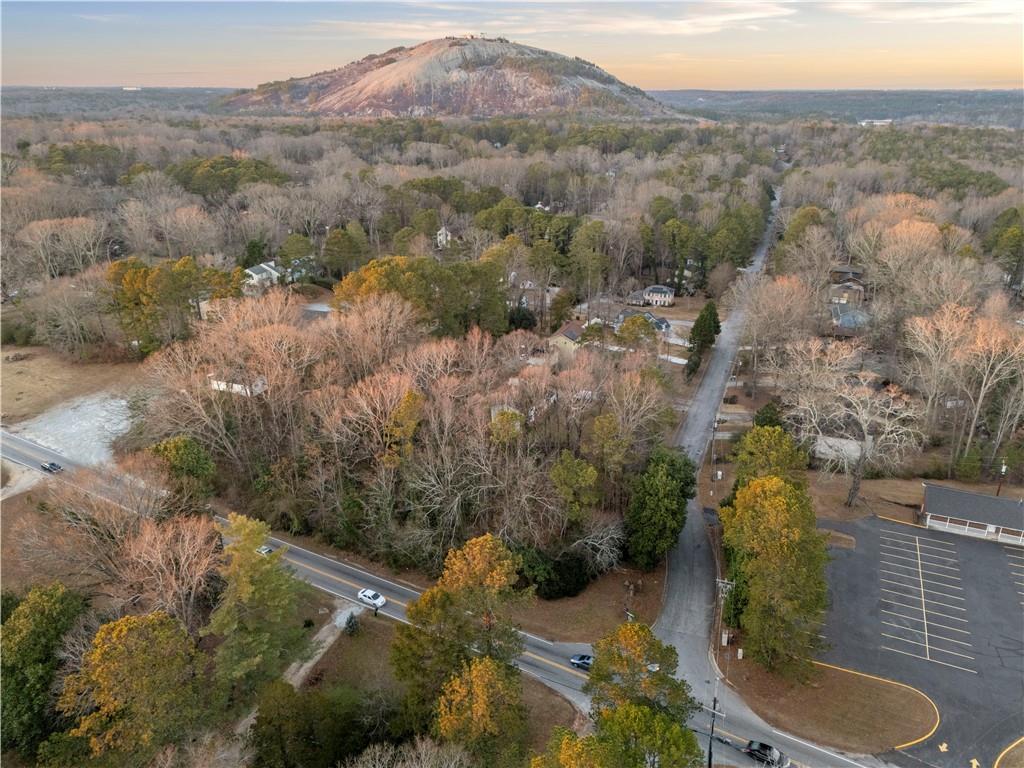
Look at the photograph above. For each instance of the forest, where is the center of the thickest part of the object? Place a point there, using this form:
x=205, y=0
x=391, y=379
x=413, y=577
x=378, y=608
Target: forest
x=396, y=394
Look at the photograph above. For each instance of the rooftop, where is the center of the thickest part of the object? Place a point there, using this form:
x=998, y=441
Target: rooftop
x=1003, y=511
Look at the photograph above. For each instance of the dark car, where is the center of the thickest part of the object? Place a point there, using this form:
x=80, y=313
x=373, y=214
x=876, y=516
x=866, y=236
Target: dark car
x=582, y=661
x=766, y=754
x=52, y=467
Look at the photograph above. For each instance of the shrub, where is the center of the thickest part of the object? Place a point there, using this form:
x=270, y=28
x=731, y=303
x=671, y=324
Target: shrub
x=352, y=625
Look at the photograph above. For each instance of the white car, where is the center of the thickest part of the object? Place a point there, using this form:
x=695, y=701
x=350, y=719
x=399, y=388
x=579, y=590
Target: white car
x=265, y=550
x=371, y=598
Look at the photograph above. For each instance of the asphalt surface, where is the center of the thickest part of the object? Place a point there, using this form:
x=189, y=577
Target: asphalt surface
x=942, y=613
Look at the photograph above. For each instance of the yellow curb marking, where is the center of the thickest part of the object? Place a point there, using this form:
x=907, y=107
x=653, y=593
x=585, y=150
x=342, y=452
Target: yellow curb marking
x=938, y=718
x=1006, y=751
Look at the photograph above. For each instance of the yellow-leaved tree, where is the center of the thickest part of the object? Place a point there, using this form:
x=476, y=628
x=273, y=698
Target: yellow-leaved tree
x=138, y=687
x=779, y=564
x=481, y=709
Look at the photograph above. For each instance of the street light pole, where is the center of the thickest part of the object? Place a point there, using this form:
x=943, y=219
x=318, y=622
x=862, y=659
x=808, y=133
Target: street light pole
x=1002, y=476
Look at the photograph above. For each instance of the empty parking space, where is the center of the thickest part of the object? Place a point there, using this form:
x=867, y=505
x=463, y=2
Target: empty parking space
x=922, y=601
x=1015, y=559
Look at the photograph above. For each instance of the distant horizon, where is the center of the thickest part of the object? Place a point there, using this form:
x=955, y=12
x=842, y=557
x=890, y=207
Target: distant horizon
x=937, y=89
x=744, y=45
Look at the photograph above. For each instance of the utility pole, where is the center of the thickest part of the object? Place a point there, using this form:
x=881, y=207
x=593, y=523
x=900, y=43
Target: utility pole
x=711, y=738
x=1002, y=476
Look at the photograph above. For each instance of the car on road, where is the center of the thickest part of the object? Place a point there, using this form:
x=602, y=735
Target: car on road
x=371, y=598
x=582, y=661
x=265, y=550
x=52, y=467
x=766, y=754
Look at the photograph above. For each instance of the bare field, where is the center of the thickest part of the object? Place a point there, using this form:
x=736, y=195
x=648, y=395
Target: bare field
x=43, y=379
x=836, y=708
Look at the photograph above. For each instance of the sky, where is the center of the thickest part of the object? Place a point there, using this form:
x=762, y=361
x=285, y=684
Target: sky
x=710, y=44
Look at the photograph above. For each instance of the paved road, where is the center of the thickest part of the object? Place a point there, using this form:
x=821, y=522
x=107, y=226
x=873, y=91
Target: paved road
x=31, y=454
x=688, y=610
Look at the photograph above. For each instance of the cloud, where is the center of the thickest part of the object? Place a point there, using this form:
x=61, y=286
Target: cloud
x=419, y=21
x=105, y=18
x=948, y=12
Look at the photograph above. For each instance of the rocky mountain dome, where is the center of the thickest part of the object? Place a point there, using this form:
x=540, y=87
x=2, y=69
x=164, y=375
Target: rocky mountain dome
x=454, y=77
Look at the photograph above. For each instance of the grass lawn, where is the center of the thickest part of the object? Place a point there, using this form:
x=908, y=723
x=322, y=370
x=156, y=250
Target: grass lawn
x=363, y=662
x=598, y=610
x=836, y=708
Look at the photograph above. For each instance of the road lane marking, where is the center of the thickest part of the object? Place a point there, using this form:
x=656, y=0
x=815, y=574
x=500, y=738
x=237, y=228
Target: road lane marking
x=785, y=735
x=933, y=661
x=927, y=648
x=931, y=591
x=935, y=565
x=339, y=578
x=927, y=581
x=914, y=618
x=555, y=664
x=932, y=636
x=905, y=605
x=925, y=570
x=936, y=602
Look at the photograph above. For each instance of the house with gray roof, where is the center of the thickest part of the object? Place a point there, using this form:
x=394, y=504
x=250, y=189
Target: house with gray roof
x=968, y=513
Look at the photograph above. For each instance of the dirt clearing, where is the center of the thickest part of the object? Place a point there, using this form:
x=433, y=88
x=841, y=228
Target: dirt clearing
x=836, y=708
x=41, y=379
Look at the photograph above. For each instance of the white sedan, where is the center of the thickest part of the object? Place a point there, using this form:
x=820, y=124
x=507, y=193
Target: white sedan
x=371, y=598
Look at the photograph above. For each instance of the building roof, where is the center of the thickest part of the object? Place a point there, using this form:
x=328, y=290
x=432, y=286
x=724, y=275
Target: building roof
x=572, y=330
x=661, y=289
x=266, y=268
x=659, y=323
x=1004, y=511
x=850, y=318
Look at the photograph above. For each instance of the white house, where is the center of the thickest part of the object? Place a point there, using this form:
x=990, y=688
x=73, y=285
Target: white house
x=261, y=277
x=443, y=237
x=257, y=387
x=659, y=295
x=543, y=208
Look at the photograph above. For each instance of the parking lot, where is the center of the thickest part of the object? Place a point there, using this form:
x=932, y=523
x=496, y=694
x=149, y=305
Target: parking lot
x=922, y=604
x=943, y=613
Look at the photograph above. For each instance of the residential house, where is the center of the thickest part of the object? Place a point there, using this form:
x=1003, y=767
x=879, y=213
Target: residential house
x=840, y=273
x=660, y=324
x=566, y=340
x=443, y=237
x=260, y=277
x=849, y=293
x=659, y=295
x=227, y=383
